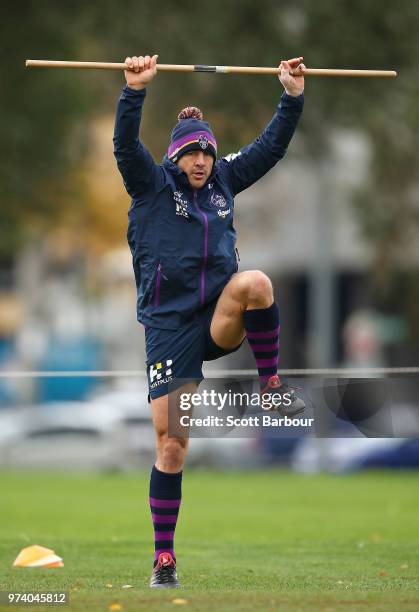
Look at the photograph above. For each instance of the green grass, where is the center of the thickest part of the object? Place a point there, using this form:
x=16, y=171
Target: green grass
x=245, y=541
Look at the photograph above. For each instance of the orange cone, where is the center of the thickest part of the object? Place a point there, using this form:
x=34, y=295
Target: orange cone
x=37, y=556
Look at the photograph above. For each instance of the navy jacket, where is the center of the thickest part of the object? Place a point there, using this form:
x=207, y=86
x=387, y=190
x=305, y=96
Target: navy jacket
x=183, y=240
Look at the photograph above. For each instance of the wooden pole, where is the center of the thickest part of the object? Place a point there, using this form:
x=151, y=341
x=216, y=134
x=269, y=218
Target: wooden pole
x=321, y=72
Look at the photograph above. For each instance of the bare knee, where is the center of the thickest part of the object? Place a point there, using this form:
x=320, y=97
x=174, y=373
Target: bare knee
x=171, y=453
x=256, y=289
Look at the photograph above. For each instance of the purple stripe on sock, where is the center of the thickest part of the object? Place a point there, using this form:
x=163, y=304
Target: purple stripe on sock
x=164, y=518
x=266, y=363
x=265, y=347
x=262, y=335
x=164, y=503
x=164, y=535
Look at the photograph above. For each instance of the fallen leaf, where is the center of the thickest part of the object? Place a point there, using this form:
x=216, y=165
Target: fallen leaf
x=179, y=601
x=376, y=537
x=115, y=606
x=383, y=573
x=404, y=566
x=127, y=586
x=109, y=586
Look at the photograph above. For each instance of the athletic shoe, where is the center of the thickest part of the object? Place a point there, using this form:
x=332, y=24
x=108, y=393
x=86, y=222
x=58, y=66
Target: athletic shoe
x=294, y=405
x=164, y=574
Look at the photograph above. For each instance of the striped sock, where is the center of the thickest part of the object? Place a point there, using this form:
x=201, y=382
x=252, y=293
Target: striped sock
x=165, y=498
x=262, y=331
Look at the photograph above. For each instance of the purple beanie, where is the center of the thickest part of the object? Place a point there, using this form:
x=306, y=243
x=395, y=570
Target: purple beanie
x=191, y=134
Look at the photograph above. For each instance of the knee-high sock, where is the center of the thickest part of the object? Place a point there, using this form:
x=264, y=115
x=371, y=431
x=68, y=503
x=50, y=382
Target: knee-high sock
x=165, y=497
x=262, y=331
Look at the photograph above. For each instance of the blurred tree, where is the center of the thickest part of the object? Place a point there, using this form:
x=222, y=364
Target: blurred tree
x=368, y=34
x=39, y=112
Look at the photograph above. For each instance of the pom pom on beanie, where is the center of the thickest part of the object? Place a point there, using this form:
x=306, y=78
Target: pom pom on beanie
x=190, y=112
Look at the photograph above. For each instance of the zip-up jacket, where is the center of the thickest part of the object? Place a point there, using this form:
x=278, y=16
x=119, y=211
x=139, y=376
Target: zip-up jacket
x=183, y=240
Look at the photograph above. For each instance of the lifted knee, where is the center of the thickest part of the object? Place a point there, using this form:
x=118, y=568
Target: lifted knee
x=259, y=291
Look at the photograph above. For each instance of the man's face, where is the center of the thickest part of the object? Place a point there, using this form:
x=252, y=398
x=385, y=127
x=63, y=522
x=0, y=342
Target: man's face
x=197, y=166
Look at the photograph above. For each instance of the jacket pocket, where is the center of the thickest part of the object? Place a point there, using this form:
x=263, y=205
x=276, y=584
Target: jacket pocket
x=157, y=286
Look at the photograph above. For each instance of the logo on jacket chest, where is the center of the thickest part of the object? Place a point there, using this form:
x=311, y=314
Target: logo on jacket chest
x=181, y=204
x=224, y=213
x=218, y=200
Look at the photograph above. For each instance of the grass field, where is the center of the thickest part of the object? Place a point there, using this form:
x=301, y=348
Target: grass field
x=245, y=541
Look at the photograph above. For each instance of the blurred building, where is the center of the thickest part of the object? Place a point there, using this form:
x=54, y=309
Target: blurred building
x=298, y=225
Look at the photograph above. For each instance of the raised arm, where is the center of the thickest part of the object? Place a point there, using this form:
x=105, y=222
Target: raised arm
x=256, y=159
x=135, y=163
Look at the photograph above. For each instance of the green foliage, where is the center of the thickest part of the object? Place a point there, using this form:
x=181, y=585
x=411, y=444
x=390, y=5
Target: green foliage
x=39, y=111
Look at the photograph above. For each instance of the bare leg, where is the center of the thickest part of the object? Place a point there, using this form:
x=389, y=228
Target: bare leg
x=170, y=451
x=166, y=487
x=245, y=291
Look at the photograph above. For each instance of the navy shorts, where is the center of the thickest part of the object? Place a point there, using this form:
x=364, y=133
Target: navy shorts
x=179, y=354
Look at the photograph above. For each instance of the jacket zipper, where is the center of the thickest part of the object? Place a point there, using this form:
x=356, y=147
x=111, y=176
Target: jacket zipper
x=157, y=287
x=204, y=262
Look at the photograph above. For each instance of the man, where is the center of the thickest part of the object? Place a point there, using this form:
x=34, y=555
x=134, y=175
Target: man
x=193, y=302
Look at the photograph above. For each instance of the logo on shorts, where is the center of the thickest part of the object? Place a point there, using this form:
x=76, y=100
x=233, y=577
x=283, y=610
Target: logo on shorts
x=218, y=200
x=161, y=373
x=203, y=142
